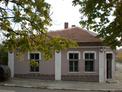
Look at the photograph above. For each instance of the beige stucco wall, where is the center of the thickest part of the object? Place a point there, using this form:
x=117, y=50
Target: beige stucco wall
x=21, y=67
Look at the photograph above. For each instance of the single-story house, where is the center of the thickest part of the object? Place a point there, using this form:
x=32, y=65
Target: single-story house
x=91, y=61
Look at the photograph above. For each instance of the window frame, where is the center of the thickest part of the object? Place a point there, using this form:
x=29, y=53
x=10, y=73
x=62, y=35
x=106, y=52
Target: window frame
x=74, y=66
x=88, y=60
x=34, y=52
x=93, y=66
x=73, y=60
x=37, y=60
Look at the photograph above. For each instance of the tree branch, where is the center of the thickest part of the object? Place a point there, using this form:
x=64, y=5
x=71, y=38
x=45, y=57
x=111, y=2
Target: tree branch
x=38, y=28
x=31, y=23
x=7, y=17
x=13, y=31
x=2, y=8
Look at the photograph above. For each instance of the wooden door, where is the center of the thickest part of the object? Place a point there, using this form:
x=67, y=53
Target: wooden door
x=109, y=66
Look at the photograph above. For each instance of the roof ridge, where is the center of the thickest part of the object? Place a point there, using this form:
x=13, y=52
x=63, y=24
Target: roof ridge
x=61, y=29
x=65, y=29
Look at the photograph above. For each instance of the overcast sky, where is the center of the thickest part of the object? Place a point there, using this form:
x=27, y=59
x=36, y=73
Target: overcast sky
x=63, y=11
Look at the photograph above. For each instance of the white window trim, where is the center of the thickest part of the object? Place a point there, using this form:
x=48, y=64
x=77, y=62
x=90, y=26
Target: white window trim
x=34, y=52
x=109, y=52
x=33, y=72
x=94, y=58
x=90, y=72
x=89, y=52
x=73, y=52
x=74, y=72
x=78, y=58
x=28, y=55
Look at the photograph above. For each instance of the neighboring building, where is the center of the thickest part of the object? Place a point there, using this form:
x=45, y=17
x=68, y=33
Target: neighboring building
x=91, y=61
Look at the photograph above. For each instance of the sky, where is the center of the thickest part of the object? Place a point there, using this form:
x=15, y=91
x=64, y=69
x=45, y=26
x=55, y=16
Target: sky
x=63, y=11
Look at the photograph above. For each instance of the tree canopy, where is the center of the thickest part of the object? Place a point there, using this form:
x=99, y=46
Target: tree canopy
x=96, y=15
x=24, y=23
x=3, y=55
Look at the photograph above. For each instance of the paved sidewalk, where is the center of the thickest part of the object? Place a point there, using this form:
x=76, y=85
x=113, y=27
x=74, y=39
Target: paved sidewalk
x=66, y=85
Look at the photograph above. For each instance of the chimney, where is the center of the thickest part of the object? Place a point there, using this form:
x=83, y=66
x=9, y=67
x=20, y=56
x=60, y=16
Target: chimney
x=65, y=25
x=73, y=25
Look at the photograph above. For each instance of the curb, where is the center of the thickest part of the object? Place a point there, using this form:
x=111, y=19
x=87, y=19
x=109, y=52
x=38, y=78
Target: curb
x=57, y=88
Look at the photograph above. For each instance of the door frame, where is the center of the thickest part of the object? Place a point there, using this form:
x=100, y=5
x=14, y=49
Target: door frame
x=112, y=67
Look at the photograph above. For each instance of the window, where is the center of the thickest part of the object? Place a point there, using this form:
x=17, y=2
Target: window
x=73, y=62
x=89, y=62
x=34, y=56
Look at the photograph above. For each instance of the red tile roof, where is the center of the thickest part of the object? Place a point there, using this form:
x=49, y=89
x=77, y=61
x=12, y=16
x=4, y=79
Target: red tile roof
x=77, y=34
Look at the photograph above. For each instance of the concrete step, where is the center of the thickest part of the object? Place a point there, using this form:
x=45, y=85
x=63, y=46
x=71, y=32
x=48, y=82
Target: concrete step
x=112, y=81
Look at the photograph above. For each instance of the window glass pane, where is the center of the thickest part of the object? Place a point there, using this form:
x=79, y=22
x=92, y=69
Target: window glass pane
x=109, y=56
x=76, y=56
x=76, y=69
x=31, y=55
x=75, y=63
x=76, y=66
x=89, y=66
x=86, y=65
x=71, y=63
x=73, y=66
x=36, y=69
x=36, y=55
x=70, y=66
x=31, y=69
x=70, y=55
x=71, y=69
x=91, y=55
x=86, y=56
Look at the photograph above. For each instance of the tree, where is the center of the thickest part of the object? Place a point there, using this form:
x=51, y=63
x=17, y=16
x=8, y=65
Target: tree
x=119, y=55
x=24, y=23
x=3, y=55
x=96, y=15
